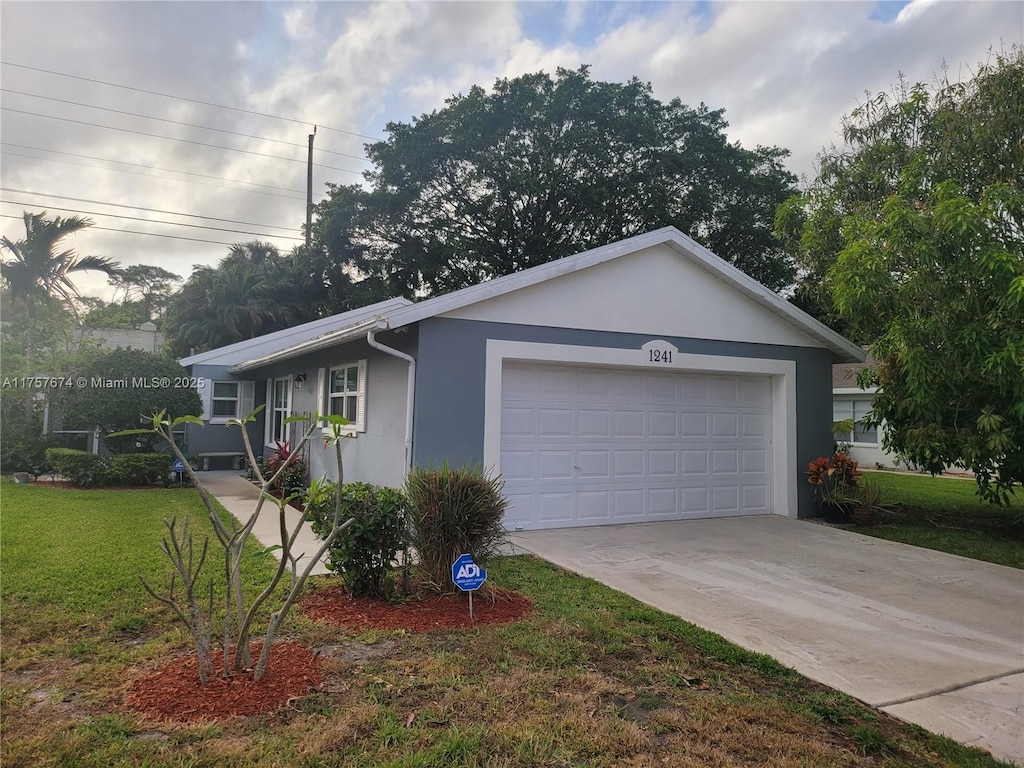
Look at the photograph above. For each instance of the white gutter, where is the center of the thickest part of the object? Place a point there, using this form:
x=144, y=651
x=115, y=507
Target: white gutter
x=410, y=389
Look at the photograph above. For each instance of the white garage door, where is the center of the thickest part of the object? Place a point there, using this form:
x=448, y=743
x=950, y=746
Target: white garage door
x=590, y=446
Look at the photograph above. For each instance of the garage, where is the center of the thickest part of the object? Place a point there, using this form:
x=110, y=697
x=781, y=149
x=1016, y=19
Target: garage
x=591, y=445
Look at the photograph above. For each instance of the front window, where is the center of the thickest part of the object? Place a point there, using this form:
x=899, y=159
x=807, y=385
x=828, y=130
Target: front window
x=225, y=400
x=344, y=393
x=280, y=405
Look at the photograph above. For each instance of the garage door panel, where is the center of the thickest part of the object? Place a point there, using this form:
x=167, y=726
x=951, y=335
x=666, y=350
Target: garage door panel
x=629, y=463
x=555, y=422
x=588, y=446
x=594, y=423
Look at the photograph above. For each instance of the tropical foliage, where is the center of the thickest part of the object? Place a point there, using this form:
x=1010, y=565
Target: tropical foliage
x=913, y=235
x=252, y=291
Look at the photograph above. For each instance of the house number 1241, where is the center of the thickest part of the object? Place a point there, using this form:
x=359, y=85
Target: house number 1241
x=660, y=355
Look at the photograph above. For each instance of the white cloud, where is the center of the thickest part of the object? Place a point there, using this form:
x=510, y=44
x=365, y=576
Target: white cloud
x=785, y=72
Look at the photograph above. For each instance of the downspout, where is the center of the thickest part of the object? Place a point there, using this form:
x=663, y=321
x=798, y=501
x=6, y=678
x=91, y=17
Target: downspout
x=410, y=391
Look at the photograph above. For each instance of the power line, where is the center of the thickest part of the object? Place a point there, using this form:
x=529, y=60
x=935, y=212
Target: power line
x=155, y=176
x=179, y=122
x=172, y=138
x=194, y=101
x=139, y=208
x=140, y=165
x=151, y=221
x=133, y=232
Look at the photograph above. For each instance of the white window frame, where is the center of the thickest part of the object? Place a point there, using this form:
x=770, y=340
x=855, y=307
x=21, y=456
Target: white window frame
x=272, y=410
x=246, y=390
x=224, y=418
x=324, y=395
x=850, y=410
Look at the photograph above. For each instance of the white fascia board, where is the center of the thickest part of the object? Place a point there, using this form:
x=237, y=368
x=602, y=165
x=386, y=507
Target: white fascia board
x=241, y=351
x=843, y=349
x=330, y=339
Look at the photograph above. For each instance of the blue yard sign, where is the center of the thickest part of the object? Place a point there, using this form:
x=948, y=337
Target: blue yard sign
x=468, y=576
x=178, y=465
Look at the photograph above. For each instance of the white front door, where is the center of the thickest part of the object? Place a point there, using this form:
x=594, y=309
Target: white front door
x=587, y=445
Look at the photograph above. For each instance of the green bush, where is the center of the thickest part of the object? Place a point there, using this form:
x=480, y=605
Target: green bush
x=81, y=468
x=452, y=512
x=362, y=554
x=139, y=469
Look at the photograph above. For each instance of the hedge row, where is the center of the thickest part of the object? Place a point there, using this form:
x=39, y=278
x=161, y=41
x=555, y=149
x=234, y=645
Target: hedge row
x=87, y=470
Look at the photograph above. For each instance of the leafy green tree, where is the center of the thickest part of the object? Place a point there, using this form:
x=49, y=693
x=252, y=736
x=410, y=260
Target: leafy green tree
x=252, y=291
x=125, y=385
x=916, y=231
x=148, y=287
x=540, y=168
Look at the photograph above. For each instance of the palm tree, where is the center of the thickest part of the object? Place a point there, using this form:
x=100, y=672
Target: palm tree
x=38, y=268
x=252, y=291
x=38, y=271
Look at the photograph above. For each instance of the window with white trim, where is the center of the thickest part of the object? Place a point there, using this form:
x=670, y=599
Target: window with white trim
x=343, y=393
x=279, y=401
x=855, y=409
x=224, y=400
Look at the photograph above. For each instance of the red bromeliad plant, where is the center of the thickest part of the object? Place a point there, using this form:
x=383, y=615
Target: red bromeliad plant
x=833, y=477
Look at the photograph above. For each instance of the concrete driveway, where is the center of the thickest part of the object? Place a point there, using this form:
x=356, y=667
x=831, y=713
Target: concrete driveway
x=931, y=638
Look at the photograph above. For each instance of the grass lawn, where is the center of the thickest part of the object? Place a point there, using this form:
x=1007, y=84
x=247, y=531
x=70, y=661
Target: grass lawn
x=945, y=514
x=593, y=678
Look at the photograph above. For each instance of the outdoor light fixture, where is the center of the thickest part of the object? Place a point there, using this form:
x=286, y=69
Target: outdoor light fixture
x=299, y=379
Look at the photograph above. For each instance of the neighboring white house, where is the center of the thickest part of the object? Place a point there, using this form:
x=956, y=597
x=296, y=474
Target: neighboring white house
x=849, y=401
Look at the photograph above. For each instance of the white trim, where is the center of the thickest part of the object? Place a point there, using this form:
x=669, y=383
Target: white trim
x=782, y=373
x=268, y=433
x=324, y=395
x=214, y=419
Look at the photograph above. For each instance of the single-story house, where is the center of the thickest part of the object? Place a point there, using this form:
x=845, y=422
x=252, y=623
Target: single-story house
x=643, y=380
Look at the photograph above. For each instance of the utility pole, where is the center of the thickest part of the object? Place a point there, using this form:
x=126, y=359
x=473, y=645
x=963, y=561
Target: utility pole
x=309, y=189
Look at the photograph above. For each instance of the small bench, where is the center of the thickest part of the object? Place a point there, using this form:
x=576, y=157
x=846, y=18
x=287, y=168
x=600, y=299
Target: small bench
x=238, y=456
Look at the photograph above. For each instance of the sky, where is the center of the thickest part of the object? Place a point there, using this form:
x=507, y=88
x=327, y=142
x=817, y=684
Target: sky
x=89, y=89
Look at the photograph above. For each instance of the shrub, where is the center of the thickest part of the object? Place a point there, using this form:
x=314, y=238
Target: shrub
x=81, y=468
x=139, y=469
x=451, y=512
x=364, y=553
x=293, y=478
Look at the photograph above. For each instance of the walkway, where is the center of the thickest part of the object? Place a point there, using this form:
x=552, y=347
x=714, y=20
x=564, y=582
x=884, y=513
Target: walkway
x=238, y=496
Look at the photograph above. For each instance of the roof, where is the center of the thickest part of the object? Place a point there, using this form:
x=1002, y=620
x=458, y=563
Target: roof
x=240, y=351
x=685, y=247
x=844, y=375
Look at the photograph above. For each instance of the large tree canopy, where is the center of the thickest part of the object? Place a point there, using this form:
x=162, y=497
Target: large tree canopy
x=916, y=230
x=539, y=168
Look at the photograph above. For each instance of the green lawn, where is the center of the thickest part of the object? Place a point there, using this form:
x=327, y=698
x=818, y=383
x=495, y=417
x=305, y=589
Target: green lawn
x=944, y=513
x=593, y=678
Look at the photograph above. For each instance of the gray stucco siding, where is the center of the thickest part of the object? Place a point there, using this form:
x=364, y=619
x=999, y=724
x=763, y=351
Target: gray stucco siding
x=376, y=455
x=216, y=438
x=450, y=409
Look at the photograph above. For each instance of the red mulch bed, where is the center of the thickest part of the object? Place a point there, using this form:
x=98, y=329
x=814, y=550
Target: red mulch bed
x=173, y=692
x=494, y=606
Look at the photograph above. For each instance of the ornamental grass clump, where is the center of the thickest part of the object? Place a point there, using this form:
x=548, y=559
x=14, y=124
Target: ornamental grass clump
x=453, y=512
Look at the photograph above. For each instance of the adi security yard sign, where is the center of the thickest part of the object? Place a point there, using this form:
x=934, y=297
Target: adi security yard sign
x=467, y=575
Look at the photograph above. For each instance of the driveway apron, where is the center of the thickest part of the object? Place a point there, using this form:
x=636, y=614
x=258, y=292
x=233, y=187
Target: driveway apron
x=932, y=638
